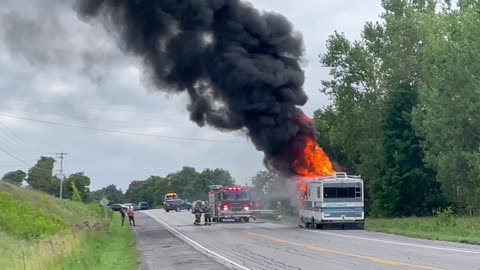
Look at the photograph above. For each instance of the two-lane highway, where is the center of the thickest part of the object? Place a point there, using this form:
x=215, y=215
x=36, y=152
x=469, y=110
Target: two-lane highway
x=271, y=246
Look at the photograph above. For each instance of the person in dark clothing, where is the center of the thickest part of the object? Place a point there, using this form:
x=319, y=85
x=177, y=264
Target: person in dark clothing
x=207, y=214
x=123, y=213
x=198, y=215
x=130, y=215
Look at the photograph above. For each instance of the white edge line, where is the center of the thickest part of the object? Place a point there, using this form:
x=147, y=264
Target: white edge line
x=400, y=243
x=196, y=245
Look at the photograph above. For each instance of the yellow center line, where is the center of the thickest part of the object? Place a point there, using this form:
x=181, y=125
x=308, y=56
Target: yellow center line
x=316, y=248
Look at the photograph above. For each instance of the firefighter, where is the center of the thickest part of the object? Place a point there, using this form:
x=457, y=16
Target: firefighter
x=207, y=214
x=198, y=214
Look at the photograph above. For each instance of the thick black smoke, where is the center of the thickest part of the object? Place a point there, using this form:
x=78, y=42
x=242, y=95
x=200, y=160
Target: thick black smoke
x=240, y=67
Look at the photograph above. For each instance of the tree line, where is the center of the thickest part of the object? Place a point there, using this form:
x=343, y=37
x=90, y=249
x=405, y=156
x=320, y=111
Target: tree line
x=405, y=106
x=41, y=177
x=188, y=183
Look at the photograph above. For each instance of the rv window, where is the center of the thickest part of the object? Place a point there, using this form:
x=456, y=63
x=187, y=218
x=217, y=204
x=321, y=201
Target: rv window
x=318, y=192
x=339, y=192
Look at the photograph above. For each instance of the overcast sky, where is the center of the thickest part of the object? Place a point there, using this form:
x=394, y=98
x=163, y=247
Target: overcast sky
x=56, y=68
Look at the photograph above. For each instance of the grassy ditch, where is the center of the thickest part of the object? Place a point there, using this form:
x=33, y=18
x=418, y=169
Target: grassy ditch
x=455, y=229
x=38, y=231
x=114, y=249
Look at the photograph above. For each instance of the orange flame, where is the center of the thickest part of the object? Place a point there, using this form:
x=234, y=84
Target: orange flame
x=309, y=159
x=312, y=160
x=302, y=187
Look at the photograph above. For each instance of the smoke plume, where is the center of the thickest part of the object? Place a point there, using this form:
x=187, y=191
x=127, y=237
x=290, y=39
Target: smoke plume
x=240, y=67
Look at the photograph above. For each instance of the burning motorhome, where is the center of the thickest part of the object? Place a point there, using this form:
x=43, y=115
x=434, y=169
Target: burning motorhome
x=337, y=199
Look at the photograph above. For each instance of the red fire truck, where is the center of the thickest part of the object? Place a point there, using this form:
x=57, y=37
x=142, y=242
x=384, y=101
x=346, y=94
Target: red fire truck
x=231, y=203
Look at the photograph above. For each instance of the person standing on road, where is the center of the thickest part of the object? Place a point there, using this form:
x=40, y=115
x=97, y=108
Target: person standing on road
x=198, y=214
x=130, y=214
x=123, y=213
x=207, y=214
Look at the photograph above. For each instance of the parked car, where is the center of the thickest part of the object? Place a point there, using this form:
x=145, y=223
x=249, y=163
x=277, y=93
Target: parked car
x=143, y=206
x=135, y=207
x=177, y=205
x=117, y=206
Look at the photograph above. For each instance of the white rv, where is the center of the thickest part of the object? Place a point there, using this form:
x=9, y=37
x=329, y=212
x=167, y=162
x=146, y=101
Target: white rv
x=336, y=199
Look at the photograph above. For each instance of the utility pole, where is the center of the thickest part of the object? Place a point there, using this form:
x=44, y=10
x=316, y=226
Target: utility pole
x=60, y=155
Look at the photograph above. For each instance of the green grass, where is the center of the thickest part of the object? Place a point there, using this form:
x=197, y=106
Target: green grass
x=37, y=231
x=121, y=251
x=113, y=250
x=70, y=212
x=458, y=229
x=23, y=220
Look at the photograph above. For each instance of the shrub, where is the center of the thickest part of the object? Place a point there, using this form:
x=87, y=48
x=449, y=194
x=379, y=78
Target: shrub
x=76, y=194
x=445, y=216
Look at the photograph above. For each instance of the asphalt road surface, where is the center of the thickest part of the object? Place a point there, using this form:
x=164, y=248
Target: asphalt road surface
x=161, y=249
x=268, y=246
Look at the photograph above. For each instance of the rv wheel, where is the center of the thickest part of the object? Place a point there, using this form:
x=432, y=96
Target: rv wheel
x=246, y=219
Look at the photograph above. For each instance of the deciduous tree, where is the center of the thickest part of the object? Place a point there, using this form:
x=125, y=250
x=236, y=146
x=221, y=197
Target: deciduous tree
x=15, y=177
x=40, y=176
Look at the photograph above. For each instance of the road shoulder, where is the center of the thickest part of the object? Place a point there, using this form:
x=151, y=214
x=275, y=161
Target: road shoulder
x=160, y=249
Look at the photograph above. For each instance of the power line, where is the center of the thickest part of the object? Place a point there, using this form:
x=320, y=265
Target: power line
x=11, y=137
x=14, y=157
x=23, y=161
x=11, y=148
x=11, y=134
x=106, y=109
x=10, y=143
x=116, y=131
